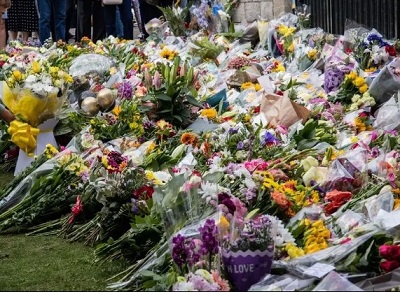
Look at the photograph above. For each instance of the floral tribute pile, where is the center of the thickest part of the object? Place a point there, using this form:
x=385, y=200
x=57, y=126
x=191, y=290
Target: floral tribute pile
x=213, y=161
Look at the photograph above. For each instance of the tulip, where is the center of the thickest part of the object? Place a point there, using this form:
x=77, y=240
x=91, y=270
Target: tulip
x=388, y=266
x=390, y=252
x=157, y=80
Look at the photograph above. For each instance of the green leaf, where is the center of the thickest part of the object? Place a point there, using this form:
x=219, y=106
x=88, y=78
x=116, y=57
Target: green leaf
x=147, y=273
x=179, y=118
x=163, y=96
x=149, y=284
x=364, y=259
x=165, y=111
x=350, y=259
x=193, y=101
x=306, y=144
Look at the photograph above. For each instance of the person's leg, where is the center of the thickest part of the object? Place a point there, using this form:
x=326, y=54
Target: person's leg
x=3, y=33
x=147, y=13
x=99, y=25
x=69, y=17
x=25, y=36
x=12, y=35
x=84, y=13
x=59, y=18
x=125, y=10
x=44, y=7
x=118, y=25
x=109, y=16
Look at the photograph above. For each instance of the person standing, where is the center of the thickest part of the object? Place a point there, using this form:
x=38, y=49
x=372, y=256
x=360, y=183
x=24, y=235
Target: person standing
x=150, y=11
x=125, y=10
x=45, y=13
x=85, y=10
x=22, y=17
x=3, y=30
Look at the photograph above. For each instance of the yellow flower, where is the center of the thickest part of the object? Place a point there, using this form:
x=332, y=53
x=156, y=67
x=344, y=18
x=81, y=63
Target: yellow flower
x=278, y=68
x=36, y=67
x=247, y=85
x=54, y=70
x=17, y=75
x=104, y=161
x=117, y=110
x=223, y=222
x=257, y=86
x=354, y=139
x=209, y=113
x=370, y=70
x=312, y=54
x=113, y=70
x=363, y=88
x=168, y=54
x=294, y=251
x=149, y=175
x=150, y=147
x=352, y=75
x=313, y=247
x=396, y=204
x=290, y=49
x=359, y=81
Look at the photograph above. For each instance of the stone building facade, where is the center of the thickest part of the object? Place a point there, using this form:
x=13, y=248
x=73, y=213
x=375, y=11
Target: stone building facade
x=250, y=10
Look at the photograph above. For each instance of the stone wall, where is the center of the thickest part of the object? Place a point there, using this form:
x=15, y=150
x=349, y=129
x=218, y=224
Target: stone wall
x=250, y=10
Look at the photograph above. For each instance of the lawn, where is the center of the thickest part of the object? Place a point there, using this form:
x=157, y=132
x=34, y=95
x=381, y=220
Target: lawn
x=50, y=263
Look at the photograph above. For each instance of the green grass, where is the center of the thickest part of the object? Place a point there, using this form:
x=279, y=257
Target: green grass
x=50, y=263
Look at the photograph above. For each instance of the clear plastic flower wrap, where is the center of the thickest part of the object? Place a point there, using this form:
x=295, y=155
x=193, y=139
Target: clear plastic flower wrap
x=387, y=83
x=335, y=282
x=387, y=116
x=336, y=67
x=286, y=282
x=90, y=64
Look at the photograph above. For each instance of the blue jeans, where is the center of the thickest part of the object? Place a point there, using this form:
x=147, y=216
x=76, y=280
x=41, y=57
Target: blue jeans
x=45, y=8
x=125, y=11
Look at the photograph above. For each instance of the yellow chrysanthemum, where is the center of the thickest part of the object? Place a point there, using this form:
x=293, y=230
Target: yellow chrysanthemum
x=247, y=85
x=352, y=75
x=209, y=113
x=359, y=81
x=363, y=88
x=312, y=54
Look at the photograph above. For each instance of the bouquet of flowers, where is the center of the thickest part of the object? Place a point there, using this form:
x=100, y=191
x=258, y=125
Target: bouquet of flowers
x=247, y=251
x=34, y=91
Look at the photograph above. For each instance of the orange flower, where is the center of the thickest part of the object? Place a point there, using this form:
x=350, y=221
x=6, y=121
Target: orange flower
x=281, y=200
x=206, y=149
x=189, y=139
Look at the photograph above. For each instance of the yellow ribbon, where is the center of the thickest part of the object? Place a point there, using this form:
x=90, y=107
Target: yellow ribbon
x=24, y=136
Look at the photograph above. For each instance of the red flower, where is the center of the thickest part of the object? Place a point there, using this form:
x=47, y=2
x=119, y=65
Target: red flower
x=76, y=209
x=390, y=252
x=349, y=51
x=388, y=266
x=363, y=115
x=337, y=199
x=2, y=63
x=257, y=109
x=144, y=193
x=390, y=50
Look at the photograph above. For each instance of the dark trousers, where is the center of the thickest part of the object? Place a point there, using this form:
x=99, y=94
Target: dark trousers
x=148, y=12
x=85, y=9
x=125, y=10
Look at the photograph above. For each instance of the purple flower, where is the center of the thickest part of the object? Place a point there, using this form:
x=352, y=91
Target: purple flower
x=208, y=235
x=232, y=131
x=179, y=251
x=125, y=90
x=240, y=145
x=333, y=79
x=268, y=139
x=375, y=152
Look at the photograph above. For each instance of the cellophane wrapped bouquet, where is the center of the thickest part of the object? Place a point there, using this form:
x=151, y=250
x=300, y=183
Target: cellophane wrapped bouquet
x=34, y=91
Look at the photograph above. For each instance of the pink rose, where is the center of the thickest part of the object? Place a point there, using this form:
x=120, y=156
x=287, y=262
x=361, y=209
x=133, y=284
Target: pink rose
x=388, y=266
x=390, y=252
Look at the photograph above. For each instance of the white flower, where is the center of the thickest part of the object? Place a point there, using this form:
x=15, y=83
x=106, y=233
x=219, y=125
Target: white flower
x=308, y=162
x=317, y=174
x=31, y=79
x=209, y=190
